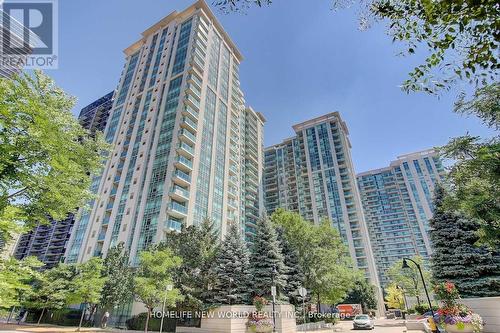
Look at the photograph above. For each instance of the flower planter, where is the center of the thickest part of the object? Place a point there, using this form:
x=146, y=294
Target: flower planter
x=260, y=329
x=460, y=328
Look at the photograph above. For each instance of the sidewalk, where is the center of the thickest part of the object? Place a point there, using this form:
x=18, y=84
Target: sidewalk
x=43, y=328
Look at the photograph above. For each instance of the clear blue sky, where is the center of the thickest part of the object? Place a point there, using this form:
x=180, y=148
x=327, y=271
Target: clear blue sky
x=301, y=60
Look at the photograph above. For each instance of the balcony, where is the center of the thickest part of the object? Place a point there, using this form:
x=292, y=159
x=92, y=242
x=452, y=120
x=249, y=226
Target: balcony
x=183, y=164
x=185, y=150
x=173, y=225
x=187, y=136
x=193, y=89
x=194, y=78
x=175, y=209
x=233, y=170
x=232, y=192
x=181, y=178
x=190, y=112
x=180, y=194
x=101, y=236
x=192, y=101
x=189, y=124
x=198, y=63
x=105, y=221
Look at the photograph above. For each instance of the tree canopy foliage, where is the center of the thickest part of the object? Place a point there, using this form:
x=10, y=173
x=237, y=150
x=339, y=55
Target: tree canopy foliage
x=409, y=278
x=197, y=246
x=154, y=275
x=325, y=261
x=16, y=278
x=475, y=174
x=46, y=157
x=475, y=270
x=460, y=38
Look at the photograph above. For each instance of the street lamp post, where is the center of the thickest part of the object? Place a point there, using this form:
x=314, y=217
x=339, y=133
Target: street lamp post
x=431, y=320
x=168, y=288
x=303, y=294
x=404, y=297
x=273, y=293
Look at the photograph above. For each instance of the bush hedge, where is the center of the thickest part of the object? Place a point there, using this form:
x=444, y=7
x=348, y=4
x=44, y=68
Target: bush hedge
x=138, y=322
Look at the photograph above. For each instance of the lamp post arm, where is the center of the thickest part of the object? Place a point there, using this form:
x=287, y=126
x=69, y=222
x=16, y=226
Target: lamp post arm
x=423, y=282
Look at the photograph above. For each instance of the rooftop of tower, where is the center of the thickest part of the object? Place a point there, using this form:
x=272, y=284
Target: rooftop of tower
x=198, y=5
x=417, y=154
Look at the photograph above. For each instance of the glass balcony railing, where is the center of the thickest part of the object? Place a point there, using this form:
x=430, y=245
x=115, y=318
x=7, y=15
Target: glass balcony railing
x=182, y=175
x=180, y=191
x=192, y=112
x=189, y=122
x=177, y=207
x=187, y=148
x=188, y=135
x=173, y=225
x=185, y=161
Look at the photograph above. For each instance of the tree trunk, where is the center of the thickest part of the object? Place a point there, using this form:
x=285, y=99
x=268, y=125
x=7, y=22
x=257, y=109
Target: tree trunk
x=147, y=321
x=319, y=305
x=418, y=300
x=102, y=316
x=41, y=315
x=81, y=318
x=11, y=313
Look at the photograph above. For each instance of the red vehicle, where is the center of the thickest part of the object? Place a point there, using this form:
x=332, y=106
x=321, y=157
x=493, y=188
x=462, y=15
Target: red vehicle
x=349, y=311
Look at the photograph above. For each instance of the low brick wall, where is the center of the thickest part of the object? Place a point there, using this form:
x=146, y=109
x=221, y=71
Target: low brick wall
x=489, y=309
x=220, y=322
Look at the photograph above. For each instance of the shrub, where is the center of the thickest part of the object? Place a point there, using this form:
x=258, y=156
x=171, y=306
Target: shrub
x=138, y=322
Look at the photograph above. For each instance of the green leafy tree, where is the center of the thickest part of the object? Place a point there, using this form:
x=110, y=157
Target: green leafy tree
x=460, y=38
x=46, y=157
x=394, y=297
x=293, y=273
x=324, y=259
x=232, y=270
x=409, y=278
x=154, y=274
x=362, y=293
x=475, y=271
x=119, y=286
x=52, y=289
x=16, y=277
x=197, y=246
x=87, y=285
x=266, y=260
x=475, y=175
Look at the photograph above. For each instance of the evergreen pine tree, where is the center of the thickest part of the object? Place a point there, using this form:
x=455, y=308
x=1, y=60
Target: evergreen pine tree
x=231, y=270
x=293, y=274
x=266, y=260
x=474, y=270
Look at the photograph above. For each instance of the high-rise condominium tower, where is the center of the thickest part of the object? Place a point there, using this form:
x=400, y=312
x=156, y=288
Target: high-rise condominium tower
x=185, y=148
x=312, y=174
x=48, y=242
x=397, y=201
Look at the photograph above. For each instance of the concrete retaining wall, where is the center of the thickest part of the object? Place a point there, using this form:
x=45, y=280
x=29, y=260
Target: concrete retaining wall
x=220, y=322
x=489, y=309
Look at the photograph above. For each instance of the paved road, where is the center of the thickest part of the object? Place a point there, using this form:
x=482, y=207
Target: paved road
x=381, y=326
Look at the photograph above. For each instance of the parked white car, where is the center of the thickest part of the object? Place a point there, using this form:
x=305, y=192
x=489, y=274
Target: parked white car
x=363, y=321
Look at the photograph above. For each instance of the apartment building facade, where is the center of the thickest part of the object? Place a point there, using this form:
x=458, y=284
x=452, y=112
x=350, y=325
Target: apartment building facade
x=313, y=175
x=94, y=116
x=397, y=202
x=185, y=148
